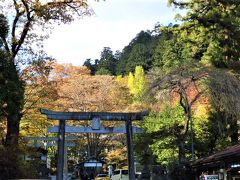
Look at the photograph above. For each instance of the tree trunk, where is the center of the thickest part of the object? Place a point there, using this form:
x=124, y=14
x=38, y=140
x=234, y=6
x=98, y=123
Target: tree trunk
x=12, y=130
x=181, y=156
x=14, y=98
x=234, y=131
x=181, y=151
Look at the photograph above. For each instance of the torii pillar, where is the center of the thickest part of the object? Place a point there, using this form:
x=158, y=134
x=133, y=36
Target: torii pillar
x=63, y=116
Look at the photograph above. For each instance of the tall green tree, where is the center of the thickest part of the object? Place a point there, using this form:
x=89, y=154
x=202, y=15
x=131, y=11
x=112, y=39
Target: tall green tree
x=12, y=89
x=218, y=22
x=163, y=38
x=107, y=63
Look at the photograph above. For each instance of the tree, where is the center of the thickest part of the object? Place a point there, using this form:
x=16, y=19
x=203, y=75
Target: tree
x=13, y=89
x=212, y=30
x=91, y=66
x=184, y=85
x=137, y=53
x=40, y=91
x=25, y=16
x=82, y=92
x=216, y=21
x=139, y=56
x=163, y=39
x=107, y=62
x=224, y=91
x=86, y=93
x=164, y=129
x=4, y=64
x=137, y=83
x=175, y=53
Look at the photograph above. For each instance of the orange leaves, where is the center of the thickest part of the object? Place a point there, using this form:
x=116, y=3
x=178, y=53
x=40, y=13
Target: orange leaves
x=87, y=93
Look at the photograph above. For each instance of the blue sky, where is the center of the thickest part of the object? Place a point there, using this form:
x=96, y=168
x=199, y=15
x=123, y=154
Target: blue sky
x=114, y=25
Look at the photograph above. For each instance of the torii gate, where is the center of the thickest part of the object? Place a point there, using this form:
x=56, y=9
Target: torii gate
x=95, y=117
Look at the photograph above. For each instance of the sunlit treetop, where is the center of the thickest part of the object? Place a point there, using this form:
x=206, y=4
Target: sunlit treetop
x=214, y=25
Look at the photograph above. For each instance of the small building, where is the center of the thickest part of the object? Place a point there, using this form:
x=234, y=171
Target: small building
x=225, y=164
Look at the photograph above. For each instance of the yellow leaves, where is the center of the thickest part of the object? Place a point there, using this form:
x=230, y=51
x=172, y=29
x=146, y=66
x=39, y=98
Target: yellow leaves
x=201, y=111
x=131, y=83
x=118, y=156
x=137, y=83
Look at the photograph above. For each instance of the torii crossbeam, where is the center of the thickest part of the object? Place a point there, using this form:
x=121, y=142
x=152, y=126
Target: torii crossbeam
x=95, y=116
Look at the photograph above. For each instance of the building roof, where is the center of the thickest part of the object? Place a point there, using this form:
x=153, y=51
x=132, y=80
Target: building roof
x=229, y=155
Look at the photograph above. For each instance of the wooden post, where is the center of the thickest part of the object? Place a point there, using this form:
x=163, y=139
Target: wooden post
x=65, y=168
x=61, y=142
x=129, y=132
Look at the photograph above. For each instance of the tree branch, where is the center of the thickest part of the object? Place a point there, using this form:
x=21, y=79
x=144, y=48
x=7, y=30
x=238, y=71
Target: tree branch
x=14, y=25
x=18, y=43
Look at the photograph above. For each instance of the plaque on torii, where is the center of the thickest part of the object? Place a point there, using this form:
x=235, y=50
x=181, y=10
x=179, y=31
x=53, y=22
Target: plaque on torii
x=48, y=141
x=95, y=117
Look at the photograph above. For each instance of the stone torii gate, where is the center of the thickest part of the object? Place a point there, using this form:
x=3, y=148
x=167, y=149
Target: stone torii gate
x=96, y=117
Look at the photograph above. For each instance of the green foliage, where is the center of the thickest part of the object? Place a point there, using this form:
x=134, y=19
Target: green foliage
x=163, y=128
x=139, y=52
x=175, y=54
x=11, y=86
x=139, y=56
x=163, y=39
x=215, y=21
x=103, y=71
x=4, y=26
x=165, y=120
x=106, y=65
x=107, y=62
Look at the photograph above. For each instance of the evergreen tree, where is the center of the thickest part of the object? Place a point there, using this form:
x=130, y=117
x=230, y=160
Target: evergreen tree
x=138, y=53
x=11, y=87
x=213, y=28
x=107, y=62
